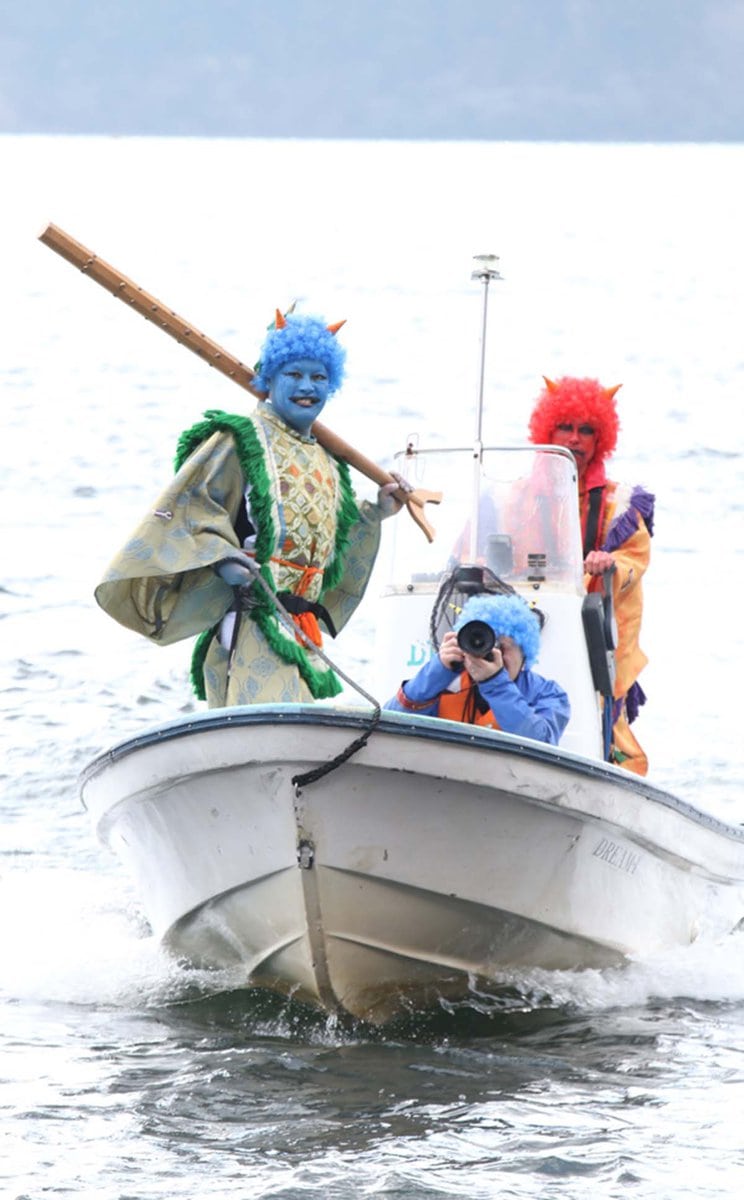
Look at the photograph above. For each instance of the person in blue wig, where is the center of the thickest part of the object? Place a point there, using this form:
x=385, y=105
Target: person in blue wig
x=256, y=493
x=490, y=685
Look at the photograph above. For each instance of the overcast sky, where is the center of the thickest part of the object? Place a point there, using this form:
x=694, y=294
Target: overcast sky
x=497, y=69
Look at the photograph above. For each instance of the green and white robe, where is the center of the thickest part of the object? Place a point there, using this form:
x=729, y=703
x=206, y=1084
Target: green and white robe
x=310, y=538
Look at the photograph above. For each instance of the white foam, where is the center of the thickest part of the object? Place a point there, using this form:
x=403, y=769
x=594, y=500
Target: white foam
x=79, y=937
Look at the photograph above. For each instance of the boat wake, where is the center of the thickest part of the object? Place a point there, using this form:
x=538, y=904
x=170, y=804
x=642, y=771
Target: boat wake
x=78, y=938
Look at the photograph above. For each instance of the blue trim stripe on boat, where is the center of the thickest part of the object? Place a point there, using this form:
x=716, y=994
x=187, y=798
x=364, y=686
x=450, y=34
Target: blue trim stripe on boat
x=404, y=725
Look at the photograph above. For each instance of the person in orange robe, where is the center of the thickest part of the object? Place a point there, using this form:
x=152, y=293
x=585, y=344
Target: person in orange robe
x=616, y=526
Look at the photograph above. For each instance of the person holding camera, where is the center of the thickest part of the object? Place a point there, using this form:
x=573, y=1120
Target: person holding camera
x=482, y=674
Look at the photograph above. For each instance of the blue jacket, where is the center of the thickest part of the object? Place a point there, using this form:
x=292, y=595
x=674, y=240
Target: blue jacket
x=529, y=706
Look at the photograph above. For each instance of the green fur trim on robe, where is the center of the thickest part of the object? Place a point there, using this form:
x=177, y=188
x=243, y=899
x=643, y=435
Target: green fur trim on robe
x=251, y=456
x=198, y=658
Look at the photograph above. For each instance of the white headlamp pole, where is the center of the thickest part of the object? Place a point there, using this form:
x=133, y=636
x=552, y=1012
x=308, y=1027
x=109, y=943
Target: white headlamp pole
x=486, y=269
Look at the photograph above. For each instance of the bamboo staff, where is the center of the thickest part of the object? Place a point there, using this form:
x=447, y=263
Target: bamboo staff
x=176, y=327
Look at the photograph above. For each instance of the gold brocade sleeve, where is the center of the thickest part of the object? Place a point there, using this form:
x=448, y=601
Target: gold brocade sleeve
x=161, y=584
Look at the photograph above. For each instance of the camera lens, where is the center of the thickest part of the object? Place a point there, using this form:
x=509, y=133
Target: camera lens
x=476, y=638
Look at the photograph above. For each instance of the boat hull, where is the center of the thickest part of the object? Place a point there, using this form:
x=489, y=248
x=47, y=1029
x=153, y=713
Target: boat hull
x=437, y=857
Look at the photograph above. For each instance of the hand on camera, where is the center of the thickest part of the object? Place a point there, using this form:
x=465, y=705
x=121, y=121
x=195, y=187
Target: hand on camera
x=450, y=654
x=480, y=669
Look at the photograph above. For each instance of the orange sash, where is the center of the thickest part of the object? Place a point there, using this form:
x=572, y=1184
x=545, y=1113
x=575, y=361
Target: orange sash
x=307, y=621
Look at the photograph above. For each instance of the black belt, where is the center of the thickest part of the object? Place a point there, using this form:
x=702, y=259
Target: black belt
x=298, y=604
x=592, y=519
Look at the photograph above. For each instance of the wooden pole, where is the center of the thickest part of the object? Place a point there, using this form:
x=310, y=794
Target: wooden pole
x=185, y=334
x=147, y=306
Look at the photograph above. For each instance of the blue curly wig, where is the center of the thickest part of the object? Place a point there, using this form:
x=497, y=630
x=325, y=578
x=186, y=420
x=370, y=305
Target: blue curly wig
x=508, y=616
x=301, y=337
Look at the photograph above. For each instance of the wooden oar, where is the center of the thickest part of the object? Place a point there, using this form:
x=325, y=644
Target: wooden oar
x=185, y=334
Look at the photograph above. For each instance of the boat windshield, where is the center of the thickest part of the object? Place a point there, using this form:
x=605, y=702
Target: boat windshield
x=516, y=513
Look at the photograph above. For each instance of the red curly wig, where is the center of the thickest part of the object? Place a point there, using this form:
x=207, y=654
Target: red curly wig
x=578, y=400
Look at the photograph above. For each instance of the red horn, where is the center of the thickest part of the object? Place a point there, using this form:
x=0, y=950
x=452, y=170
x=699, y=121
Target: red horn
x=550, y=384
x=279, y=322
x=335, y=328
x=610, y=392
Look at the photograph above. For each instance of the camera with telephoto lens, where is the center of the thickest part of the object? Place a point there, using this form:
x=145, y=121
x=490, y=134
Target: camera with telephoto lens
x=477, y=639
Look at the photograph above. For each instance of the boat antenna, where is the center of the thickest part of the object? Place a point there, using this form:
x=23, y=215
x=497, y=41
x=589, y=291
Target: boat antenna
x=486, y=269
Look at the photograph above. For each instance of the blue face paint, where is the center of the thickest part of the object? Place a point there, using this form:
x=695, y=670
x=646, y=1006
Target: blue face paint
x=298, y=392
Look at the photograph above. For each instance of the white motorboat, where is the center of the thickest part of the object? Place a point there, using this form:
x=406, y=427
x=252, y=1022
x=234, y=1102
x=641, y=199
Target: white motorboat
x=434, y=859
x=372, y=863
x=437, y=855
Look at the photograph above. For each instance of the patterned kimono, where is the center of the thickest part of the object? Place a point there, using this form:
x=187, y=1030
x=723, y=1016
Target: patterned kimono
x=253, y=483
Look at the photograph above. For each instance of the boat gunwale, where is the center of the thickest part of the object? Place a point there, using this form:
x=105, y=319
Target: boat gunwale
x=426, y=727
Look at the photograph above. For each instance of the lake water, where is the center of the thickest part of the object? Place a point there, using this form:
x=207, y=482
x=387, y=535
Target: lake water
x=123, y=1075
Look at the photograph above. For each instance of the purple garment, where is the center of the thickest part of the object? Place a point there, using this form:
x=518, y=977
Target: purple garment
x=634, y=698
x=624, y=526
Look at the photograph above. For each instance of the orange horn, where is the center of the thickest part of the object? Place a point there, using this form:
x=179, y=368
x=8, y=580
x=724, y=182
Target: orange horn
x=610, y=392
x=335, y=328
x=279, y=322
x=550, y=384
